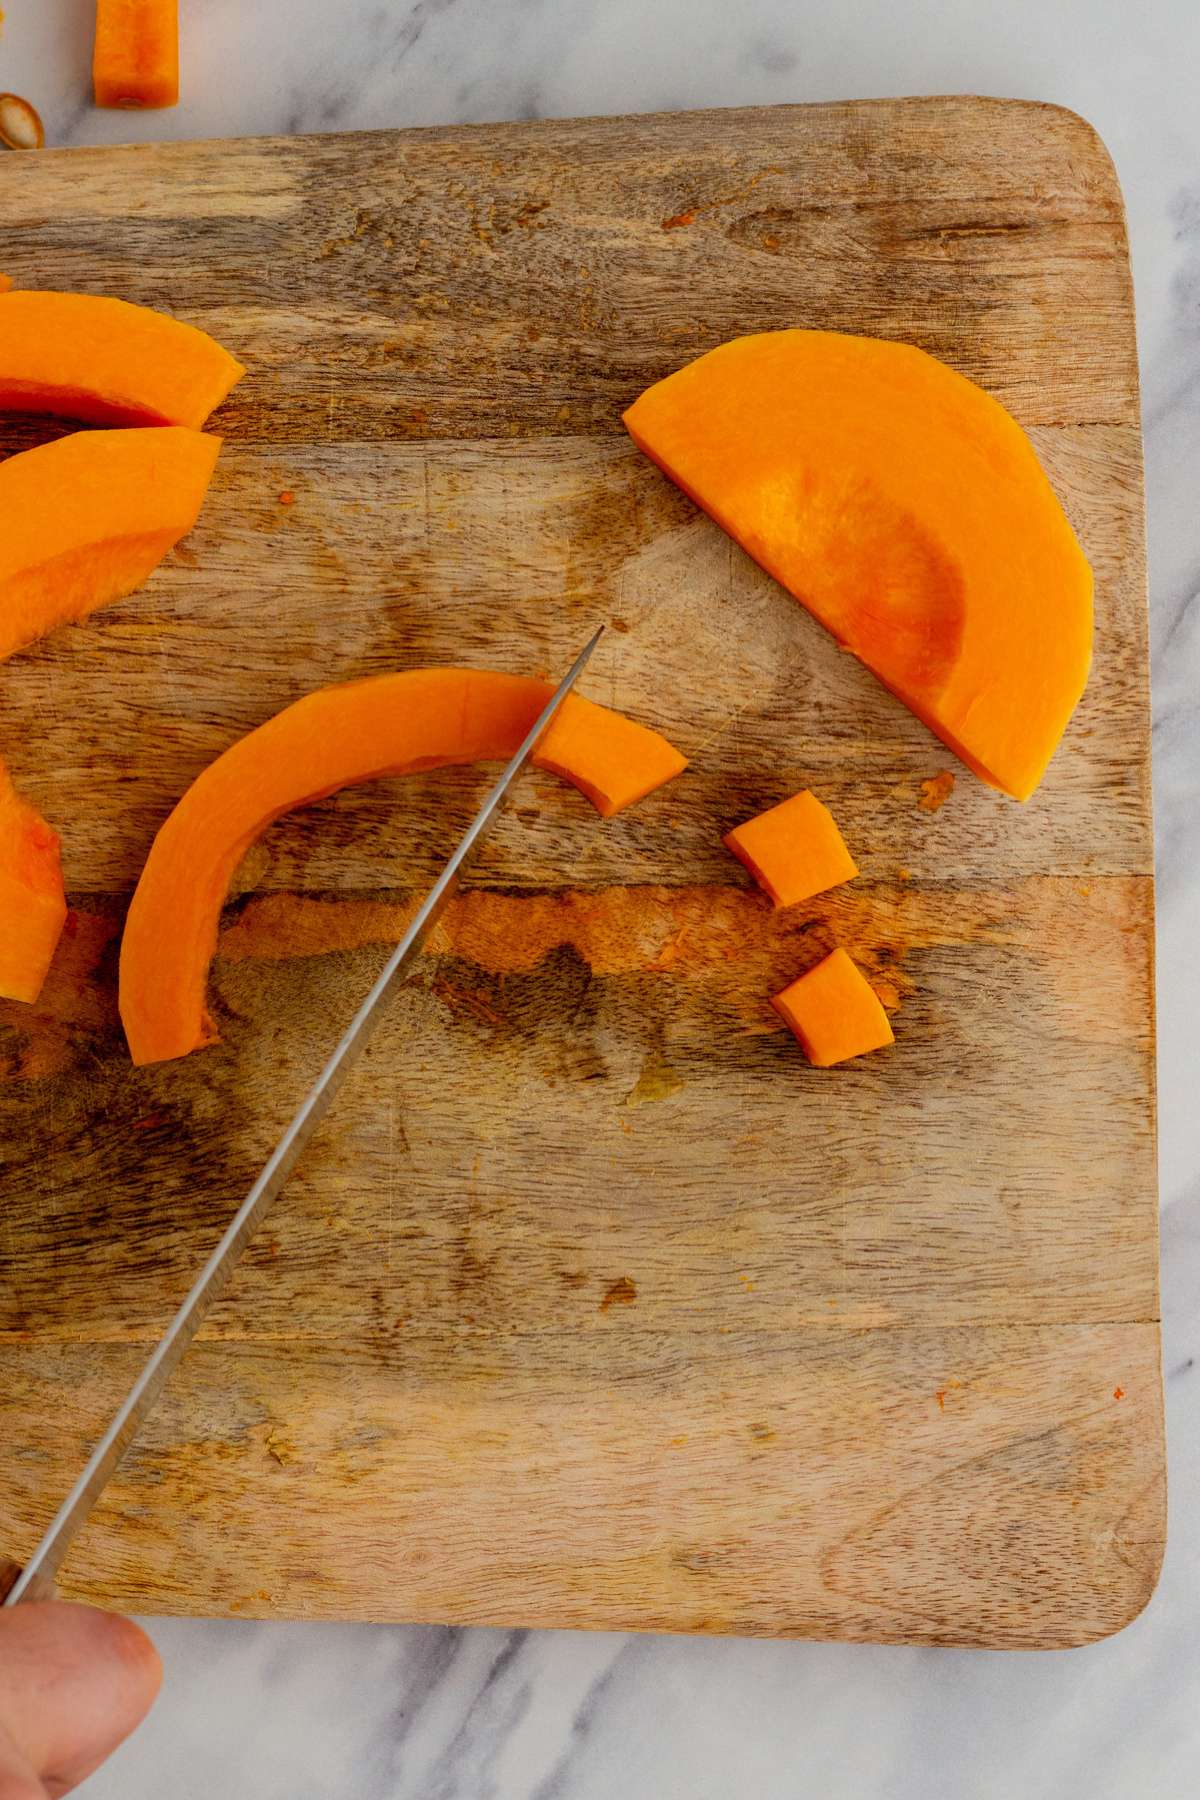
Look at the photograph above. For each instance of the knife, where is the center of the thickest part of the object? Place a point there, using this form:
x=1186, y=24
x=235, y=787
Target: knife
x=36, y=1580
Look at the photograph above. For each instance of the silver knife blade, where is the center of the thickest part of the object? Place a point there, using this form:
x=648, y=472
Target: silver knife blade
x=36, y=1580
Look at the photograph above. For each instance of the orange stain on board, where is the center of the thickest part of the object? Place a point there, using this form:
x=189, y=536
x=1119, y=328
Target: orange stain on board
x=935, y=791
x=721, y=933
x=665, y=933
x=691, y=213
x=1118, y=1393
x=287, y=497
x=621, y=1293
x=615, y=931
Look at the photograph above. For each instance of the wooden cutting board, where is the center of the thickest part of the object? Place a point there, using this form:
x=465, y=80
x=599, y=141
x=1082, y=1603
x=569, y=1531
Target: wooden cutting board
x=595, y=1305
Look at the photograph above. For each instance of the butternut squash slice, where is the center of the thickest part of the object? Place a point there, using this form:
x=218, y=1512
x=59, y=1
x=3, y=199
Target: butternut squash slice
x=33, y=908
x=907, y=510
x=835, y=1012
x=359, y=731
x=793, y=850
x=84, y=521
x=85, y=356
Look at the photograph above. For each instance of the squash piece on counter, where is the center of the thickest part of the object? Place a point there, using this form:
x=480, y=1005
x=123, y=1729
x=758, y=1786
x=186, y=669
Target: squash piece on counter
x=907, y=510
x=793, y=850
x=358, y=731
x=86, y=356
x=835, y=1012
x=135, y=62
x=33, y=907
x=85, y=519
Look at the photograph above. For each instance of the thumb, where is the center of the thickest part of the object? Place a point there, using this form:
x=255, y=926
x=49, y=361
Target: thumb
x=74, y=1682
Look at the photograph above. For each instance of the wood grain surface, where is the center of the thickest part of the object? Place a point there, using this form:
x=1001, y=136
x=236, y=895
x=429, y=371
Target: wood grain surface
x=594, y=1304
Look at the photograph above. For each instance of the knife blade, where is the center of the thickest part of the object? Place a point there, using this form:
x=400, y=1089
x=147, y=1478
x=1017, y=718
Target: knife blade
x=36, y=1579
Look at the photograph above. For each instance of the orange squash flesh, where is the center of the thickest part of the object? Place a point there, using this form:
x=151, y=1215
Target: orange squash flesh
x=136, y=58
x=907, y=510
x=612, y=759
x=793, y=850
x=84, y=521
x=85, y=356
x=835, y=1012
x=386, y=725
x=33, y=908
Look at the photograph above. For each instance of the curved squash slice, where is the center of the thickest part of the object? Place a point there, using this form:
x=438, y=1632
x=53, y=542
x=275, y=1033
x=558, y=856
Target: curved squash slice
x=89, y=357
x=33, y=909
x=386, y=725
x=907, y=510
x=84, y=521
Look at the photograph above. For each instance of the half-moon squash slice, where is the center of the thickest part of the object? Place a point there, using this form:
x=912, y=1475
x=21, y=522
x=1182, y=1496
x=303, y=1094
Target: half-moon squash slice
x=84, y=520
x=908, y=511
x=90, y=357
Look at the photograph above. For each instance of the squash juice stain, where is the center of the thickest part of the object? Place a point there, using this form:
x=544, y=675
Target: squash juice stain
x=658, y=1081
x=935, y=791
x=621, y=1293
x=670, y=933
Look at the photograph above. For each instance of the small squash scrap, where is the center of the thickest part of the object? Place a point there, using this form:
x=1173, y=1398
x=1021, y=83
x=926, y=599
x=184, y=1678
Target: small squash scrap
x=135, y=62
x=835, y=1012
x=907, y=510
x=33, y=908
x=85, y=356
x=793, y=850
x=358, y=731
x=84, y=521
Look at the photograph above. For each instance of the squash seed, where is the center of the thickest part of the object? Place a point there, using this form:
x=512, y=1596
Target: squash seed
x=20, y=126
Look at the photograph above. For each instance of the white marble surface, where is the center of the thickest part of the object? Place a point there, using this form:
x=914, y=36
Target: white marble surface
x=291, y=1712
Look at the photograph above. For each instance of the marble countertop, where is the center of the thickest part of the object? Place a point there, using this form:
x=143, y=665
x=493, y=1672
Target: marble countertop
x=285, y=1712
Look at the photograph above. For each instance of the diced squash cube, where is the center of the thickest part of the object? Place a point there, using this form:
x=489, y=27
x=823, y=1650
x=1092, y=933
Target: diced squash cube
x=835, y=1012
x=793, y=850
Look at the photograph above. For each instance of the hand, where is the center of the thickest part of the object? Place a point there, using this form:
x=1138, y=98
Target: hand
x=73, y=1684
